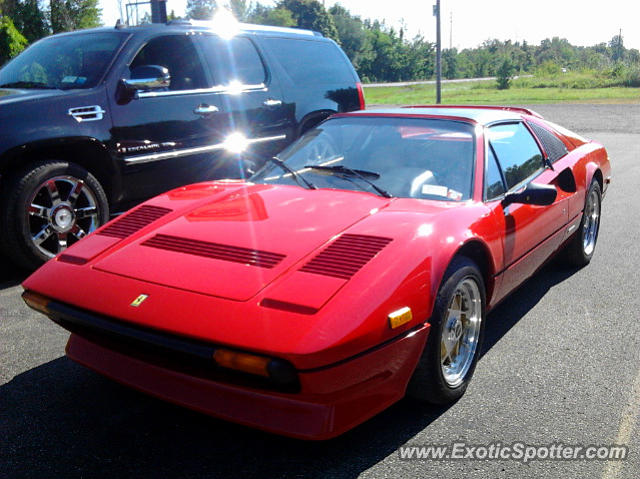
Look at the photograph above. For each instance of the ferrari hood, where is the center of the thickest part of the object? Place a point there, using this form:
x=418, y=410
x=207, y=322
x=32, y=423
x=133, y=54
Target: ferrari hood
x=236, y=243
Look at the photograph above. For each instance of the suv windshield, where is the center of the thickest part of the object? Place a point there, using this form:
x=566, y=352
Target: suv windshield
x=63, y=62
x=391, y=156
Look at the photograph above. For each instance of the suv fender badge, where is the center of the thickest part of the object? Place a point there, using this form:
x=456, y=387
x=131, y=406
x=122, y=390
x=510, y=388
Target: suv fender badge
x=139, y=300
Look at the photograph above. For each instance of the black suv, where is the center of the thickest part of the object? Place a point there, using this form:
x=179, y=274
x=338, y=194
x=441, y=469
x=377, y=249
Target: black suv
x=96, y=121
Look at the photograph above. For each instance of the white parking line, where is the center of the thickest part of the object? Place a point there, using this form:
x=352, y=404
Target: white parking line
x=627, y=423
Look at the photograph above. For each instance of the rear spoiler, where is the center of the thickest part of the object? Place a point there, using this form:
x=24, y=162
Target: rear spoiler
x=518, y=109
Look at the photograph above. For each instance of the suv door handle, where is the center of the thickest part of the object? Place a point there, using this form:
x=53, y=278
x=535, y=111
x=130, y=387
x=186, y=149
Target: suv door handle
x=271, y=102
x=205, y=109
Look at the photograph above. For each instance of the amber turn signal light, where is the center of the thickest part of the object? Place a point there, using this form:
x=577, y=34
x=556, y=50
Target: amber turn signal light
x=400, y=317
x=247, y=363
x=36, y=301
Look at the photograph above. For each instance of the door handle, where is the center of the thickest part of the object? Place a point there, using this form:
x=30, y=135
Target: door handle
x=271, y=102
x=205, y=109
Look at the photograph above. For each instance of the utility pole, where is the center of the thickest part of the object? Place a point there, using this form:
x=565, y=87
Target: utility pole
x=620, y=46
x=159, y=11
x=436, y=12
x=450, y=30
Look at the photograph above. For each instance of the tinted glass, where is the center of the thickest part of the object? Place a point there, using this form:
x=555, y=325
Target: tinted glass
x=517, y=152
x=310, y=62
x=494, y=186
x=64, y=62
x=416, y=158
x=178, y=55
x=233, y=61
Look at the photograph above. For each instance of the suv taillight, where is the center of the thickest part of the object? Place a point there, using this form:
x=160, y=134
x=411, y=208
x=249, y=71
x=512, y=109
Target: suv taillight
x=360, y=95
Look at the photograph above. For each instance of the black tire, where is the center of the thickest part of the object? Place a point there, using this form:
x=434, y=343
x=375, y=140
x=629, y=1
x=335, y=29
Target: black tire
x=80, y=214
x=577, y=252
x=428, y=382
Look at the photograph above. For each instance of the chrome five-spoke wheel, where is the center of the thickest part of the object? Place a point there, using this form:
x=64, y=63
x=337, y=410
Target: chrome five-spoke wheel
x=591, y=221
x=455, y=336
x=579, y=250
x=461, y=332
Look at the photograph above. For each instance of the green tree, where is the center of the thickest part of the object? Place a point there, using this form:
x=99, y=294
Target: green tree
x=312, y=15
x=69, y=15
x=616, y=46
x=353, y=37
x=505, y=72
x=201, y=9
x=11, y=40
x=279, y=17
x=30, y=20
x=450, y=63
x=241, y=9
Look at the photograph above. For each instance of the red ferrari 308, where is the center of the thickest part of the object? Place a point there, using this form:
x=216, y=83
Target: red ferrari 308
x=354, y=269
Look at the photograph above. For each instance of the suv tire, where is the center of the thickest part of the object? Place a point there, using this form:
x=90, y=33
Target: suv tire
x=48, y=206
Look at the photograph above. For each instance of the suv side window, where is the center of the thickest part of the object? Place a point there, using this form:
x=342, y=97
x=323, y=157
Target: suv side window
x=233, y=60
x=493, y=184
x=517, y=152
x=309, y=62
x=178, y=54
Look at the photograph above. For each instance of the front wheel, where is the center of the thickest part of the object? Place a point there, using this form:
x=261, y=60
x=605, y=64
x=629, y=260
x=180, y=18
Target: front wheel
x=457, y=328
x=48, y=207
x=579, y=250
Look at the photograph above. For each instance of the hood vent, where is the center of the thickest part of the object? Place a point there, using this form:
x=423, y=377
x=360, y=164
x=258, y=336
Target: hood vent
x=236, y=254
x=134, y=221
x=345, y=256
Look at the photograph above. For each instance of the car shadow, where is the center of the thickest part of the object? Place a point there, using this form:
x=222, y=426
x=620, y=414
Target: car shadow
x=60, y=419
x=10, y=275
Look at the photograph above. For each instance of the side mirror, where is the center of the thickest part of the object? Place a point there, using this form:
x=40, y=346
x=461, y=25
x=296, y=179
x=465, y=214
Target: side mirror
x=533, y=194
x=148, y=77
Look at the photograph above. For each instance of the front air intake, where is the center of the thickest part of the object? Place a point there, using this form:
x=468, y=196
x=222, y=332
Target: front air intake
x=236, y=254
x=346, y=256
x=132, y=222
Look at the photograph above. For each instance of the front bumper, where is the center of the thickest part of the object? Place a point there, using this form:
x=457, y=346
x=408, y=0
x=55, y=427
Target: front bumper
x=332, y=399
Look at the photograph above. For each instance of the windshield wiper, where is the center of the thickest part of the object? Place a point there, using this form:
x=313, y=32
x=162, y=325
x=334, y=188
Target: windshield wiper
x=360, y=174
x=296, y=176
x=28, y=84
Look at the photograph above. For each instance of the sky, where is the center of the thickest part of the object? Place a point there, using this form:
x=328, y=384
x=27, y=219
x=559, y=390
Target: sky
x=582, y=22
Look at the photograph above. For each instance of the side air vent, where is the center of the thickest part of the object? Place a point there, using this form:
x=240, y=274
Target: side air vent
x=134, y=221
x=345, y=256
x=236, y=254
x=87, y=113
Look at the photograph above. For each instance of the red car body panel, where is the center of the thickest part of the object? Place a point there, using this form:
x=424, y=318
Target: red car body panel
x=333, y=330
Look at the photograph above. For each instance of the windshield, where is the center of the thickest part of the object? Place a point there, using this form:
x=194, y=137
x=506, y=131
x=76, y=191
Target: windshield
x=404, y=157
x=63, y=62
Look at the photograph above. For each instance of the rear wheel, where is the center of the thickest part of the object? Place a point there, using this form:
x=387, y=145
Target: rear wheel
x=47, y=208
x=457, y=328
x=580, y=249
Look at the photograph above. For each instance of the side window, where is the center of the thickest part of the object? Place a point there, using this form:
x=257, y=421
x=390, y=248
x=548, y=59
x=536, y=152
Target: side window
x=233, y=60
x=551, y=143
x=310, y=62
x=179, y=56
x=493, y=184
x=517, y=152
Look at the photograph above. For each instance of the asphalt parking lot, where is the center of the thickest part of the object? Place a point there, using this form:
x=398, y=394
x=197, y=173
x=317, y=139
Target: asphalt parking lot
x=561, y=363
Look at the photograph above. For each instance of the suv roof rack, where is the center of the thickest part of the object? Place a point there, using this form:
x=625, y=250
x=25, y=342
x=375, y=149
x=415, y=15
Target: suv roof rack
x=246, y=27
x=517, y=109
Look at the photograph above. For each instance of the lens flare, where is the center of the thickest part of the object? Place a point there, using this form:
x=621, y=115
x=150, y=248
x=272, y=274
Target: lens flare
x=236, y=143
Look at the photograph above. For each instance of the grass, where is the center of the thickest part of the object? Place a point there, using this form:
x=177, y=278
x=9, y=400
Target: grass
x=570, y=88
